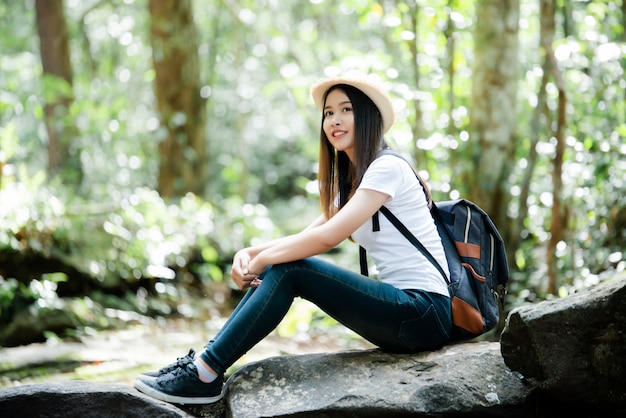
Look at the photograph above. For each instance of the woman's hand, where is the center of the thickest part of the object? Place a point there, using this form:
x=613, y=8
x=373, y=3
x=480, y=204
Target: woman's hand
x=240, y=271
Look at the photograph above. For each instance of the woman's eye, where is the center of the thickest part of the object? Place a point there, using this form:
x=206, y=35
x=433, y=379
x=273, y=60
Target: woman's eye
x=347, y=109
x=328, y=113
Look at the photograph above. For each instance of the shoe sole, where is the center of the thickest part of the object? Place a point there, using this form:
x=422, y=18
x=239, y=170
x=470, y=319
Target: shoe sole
x=182, y=400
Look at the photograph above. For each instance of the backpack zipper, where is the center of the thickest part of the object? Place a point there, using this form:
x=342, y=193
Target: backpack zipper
x=492, y=253
x=467, y=224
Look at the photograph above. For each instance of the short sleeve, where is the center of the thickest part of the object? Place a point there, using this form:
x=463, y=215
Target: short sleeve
x=383, y=175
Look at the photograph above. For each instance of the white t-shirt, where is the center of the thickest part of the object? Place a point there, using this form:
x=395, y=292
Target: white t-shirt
x=398, y=262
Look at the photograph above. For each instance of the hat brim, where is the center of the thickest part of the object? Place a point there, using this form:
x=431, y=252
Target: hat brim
x=368, y=85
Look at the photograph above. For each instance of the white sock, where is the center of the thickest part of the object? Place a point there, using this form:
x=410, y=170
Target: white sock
x=204, y=374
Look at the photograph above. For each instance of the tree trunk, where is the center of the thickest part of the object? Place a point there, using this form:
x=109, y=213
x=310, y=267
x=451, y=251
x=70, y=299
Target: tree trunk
x=493, y=115
x=182, y=151
x=57, y=69
x=535, y=132
x=412, y=16
x=558, y=221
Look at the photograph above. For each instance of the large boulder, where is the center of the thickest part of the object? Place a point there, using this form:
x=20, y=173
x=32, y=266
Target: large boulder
x=574, y=346
x=460, y=380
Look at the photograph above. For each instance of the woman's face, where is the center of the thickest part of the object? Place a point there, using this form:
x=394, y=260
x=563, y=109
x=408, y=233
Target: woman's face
x=339, y=121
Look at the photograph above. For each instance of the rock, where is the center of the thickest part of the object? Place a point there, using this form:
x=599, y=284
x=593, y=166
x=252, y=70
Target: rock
x=457, y=380
x=574, y=346
x=31, y=324
x=77, y=399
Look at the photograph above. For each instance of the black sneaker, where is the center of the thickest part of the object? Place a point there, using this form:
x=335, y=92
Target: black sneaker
x=180, y=362
x=182, y=386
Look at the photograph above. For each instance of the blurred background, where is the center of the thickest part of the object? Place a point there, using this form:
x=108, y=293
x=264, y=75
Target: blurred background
x=143, y=142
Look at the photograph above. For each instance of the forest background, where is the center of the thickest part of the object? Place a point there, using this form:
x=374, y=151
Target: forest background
x=143, y=142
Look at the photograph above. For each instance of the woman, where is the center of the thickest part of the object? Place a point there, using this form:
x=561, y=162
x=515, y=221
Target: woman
x=407, y=310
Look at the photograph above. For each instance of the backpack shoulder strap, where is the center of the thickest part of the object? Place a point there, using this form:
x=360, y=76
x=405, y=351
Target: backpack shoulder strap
x=363, y=261
x=413, y=240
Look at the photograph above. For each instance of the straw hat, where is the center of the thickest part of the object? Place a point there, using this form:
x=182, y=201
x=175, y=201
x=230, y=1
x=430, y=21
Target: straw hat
x=368, y=84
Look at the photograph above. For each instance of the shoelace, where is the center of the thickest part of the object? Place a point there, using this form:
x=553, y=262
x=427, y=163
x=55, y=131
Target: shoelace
x=180, y=362
x=182, y=372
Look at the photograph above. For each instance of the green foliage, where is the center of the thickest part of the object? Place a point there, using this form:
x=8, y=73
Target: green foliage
x=8, y=143
x=138, y=235
x=594, y=169
x=133, y=237
x=55, y=88
x=13, y=297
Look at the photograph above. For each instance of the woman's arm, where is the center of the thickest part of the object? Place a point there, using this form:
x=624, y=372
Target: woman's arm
x=255, y=250
x=239, y=271
x=320, y=236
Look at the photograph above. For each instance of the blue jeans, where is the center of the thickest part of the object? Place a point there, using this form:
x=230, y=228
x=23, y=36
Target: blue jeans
x=404, y=321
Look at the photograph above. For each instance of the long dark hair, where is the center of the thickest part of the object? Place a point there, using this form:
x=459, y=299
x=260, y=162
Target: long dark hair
x=337, y=175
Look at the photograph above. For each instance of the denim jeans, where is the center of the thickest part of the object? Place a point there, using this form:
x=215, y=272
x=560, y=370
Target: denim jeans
x=403, y=321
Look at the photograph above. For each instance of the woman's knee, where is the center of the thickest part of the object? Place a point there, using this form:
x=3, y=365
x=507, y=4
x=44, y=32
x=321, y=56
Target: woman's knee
x=281, y=272
x=293, y=274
